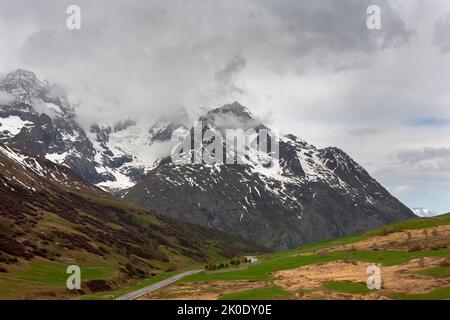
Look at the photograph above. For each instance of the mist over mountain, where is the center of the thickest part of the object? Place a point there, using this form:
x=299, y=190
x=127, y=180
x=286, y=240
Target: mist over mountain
x=306, y=195
x=38, y=118
x=310, y=194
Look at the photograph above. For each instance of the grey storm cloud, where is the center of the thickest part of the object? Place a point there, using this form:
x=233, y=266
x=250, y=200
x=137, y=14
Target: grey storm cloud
x=5, y=97
x=225, y=76
x=312, y=65
x=155, y=55
x=435, y=157
x=361, y=130
x=441, y=38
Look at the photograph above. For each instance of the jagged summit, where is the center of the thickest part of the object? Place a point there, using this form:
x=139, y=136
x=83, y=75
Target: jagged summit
x=22, y=84
x=235, y=109
x=310, y=194
x=231, y=116
x=42, y=96
x=20, y=78
x=166, y=124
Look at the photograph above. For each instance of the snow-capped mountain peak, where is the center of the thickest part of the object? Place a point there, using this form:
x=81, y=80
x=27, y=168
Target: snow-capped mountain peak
x=164, y=127
x=234, y=108
x=423, y=212
x=276, y=204
x=40, y=119
x=28, y=90
x=21, y=83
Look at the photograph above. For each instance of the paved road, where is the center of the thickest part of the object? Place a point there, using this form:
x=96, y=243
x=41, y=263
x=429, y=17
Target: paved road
x=139, y=293
x=158, y=285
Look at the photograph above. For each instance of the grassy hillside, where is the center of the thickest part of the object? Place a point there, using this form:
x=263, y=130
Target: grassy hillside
x=132, y=245
x=414, y=257
x=50, y=219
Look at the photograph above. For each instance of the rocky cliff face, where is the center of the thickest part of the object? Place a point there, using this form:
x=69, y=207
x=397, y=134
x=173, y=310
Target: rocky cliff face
x=310, y=194
x=36, y=117
x=48, y=214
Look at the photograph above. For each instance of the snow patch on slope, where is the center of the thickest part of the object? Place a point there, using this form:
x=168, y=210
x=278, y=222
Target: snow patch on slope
x=13, y=124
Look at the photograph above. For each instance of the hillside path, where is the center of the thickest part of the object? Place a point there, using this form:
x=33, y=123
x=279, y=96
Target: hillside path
x=163, y=283
x=158, y=285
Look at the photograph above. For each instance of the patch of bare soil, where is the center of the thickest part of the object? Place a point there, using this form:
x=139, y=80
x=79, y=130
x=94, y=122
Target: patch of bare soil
x=413, y=240
x=307, y=282
x=202, y=290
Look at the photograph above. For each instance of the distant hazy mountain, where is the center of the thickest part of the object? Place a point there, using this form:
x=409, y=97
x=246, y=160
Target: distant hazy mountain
x=423, y=212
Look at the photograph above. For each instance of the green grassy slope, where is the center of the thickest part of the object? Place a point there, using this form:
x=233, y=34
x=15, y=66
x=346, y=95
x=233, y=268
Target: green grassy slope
x=48, y=224
x=313, y=254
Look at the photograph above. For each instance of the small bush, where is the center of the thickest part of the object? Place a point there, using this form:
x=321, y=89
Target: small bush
x=233, y=262
x=445, y=262
x=436, y=246
x=415, y=247
x=351, y=261
x=422, y=262
x=98, y=285
x=322, y=253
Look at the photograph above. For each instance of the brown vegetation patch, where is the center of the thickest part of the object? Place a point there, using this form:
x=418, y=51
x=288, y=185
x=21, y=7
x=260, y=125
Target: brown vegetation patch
x=307, y=282
x=410, y=240
x=203, y=290
x=98, y=285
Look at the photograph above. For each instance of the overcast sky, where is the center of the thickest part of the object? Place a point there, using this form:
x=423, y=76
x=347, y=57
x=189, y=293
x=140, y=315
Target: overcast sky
x=311, y=68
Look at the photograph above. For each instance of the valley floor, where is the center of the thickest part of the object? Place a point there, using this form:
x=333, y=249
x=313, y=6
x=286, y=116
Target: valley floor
x=413, y=256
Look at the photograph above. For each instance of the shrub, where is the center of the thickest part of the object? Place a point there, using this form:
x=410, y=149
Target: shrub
x=436, y=246
x=415, y=247
x=322, y=253
x=422, y=262
x=446, y=262
x=98, y=285
x=386, y=231
x=210, y=266
x=351, y=261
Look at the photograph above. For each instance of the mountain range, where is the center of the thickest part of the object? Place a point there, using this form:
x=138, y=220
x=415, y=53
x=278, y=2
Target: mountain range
x=39, y=119
x=51, y=218
x=310, y=194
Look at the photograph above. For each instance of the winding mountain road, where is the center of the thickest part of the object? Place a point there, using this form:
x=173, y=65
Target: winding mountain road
x=158, y=285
